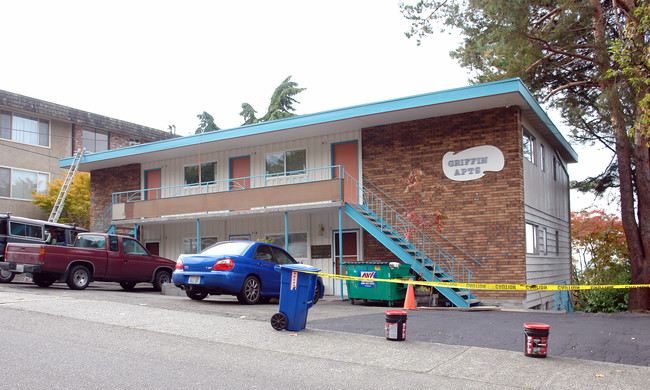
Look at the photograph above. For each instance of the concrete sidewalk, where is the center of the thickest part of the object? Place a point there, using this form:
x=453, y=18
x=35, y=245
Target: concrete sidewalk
x=327, y=359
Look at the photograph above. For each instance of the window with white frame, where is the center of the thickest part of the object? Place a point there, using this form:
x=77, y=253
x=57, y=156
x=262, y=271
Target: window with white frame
x=529, y=147
x=297, y=243
x=94, y=140
x=292, y=161
x=189, y=244
x=19, y=183
x=531, y=238
x=208, y=173
x=24, y=128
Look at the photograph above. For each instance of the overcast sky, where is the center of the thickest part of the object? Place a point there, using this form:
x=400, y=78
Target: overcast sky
x=160, y=63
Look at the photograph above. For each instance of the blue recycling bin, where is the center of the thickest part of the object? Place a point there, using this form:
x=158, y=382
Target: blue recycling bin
x=297, y=291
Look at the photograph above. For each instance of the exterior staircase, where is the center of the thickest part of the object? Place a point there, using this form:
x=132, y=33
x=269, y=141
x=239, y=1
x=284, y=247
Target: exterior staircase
x=104, y=224
x=426, y=258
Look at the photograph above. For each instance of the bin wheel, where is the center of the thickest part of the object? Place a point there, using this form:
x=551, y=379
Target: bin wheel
x=352, y=301
x=279, y=321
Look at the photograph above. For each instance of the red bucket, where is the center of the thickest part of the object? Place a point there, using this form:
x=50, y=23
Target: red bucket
x=536, y=339
x=396, y=325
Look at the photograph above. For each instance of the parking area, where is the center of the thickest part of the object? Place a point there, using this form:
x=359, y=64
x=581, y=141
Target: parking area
x=616, y=338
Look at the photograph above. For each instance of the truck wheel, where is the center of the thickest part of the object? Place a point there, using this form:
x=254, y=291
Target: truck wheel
x=128, y=286
x=162, y=277
x=6, y=276
x=43, y=280
x=78, y=278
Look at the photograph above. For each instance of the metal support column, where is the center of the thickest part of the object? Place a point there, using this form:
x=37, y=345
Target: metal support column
x=198, y=235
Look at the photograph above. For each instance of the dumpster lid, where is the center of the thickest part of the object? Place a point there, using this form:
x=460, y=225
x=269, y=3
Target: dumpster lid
x=298, y=267
x=374, y=262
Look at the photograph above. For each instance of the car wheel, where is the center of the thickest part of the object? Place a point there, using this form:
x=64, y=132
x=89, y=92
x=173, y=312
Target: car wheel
x=196, y=295
x=250, y=291
x=128, y=286
x=316, y=293
x=162, y=277
x=78, y=278
x=279, y=321
x=6, y=276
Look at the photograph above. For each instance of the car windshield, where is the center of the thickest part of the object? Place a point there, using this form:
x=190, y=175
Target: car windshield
x=226, y=248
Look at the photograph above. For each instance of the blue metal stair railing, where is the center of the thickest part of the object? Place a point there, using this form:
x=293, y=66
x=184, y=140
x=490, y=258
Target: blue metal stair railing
x=406, y=241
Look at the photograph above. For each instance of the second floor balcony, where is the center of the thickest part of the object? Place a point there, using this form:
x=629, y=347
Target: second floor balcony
x=309, y=188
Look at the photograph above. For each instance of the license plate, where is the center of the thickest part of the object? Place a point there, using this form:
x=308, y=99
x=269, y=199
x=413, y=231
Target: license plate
x=194, y=279
x=20, y=267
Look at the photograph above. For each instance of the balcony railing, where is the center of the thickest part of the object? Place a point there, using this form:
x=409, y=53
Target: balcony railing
x=233, y=184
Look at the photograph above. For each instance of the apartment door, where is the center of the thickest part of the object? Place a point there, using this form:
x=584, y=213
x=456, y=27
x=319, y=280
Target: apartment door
x=152, y=180
x=240, y=171
x=153, y=247
x=346, y=155
x=350, y=248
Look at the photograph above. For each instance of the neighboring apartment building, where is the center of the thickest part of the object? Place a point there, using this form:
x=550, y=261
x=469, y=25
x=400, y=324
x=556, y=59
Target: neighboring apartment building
x=325, y=186
x=35, y=134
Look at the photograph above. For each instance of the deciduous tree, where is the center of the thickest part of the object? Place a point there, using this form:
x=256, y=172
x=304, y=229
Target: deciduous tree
x=76, y=208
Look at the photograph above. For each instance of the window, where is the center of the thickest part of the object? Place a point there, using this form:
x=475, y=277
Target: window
x=531, y=239
x=189, y=244
x=90, y=241
x=554, y=168
x=24, y=230
x=208, y=173
x=132, y=247
x=18, y=183
x=263, y=252
x=282, y=257
x=94, y=140
x=297, y=243
x=529, y=147
x=557, y=243
x=113, y=245
x=293, y=161
x=24, y=128
x=542, y=158
x=134, y=141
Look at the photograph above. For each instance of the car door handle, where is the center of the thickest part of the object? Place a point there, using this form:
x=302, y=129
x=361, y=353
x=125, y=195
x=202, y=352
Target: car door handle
x=126, y=260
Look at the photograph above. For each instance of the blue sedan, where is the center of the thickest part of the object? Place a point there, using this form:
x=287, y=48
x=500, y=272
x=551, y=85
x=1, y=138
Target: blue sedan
x=242, y=268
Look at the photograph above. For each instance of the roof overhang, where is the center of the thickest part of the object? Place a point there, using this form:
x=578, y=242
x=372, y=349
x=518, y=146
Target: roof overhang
x=478, y=97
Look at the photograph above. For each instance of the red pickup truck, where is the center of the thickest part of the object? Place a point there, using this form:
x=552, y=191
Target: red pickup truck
x=94, y=256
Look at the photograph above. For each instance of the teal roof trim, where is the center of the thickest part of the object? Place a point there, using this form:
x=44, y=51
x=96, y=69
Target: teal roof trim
x=428, y=99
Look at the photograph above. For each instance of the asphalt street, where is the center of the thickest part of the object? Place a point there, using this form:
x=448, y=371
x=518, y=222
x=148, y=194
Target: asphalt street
x=617, y=338
x=104, y=337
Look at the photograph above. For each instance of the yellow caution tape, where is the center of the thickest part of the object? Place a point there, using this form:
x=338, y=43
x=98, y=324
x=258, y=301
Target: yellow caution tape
x=486, y=286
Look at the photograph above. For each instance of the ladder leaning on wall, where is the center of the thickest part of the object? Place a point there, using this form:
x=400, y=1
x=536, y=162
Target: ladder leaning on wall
x=65, y=187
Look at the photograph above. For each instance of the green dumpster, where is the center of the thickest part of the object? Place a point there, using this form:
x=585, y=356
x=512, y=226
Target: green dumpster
x=377, y=291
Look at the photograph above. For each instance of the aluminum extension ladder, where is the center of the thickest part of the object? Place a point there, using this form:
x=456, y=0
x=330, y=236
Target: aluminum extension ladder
x=65, y=187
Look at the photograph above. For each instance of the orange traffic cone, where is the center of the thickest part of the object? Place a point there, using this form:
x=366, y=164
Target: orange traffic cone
x=409, y=301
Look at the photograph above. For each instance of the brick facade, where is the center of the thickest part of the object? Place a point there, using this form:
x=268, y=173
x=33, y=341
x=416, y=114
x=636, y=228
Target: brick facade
x=485, y=216
x=104, y=182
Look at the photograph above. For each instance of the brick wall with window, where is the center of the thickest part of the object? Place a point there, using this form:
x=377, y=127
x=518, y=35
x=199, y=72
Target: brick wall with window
x=104, y=182
x=485, y=216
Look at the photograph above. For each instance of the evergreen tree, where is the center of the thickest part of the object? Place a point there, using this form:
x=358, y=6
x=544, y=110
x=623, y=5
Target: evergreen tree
x=590, y=59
